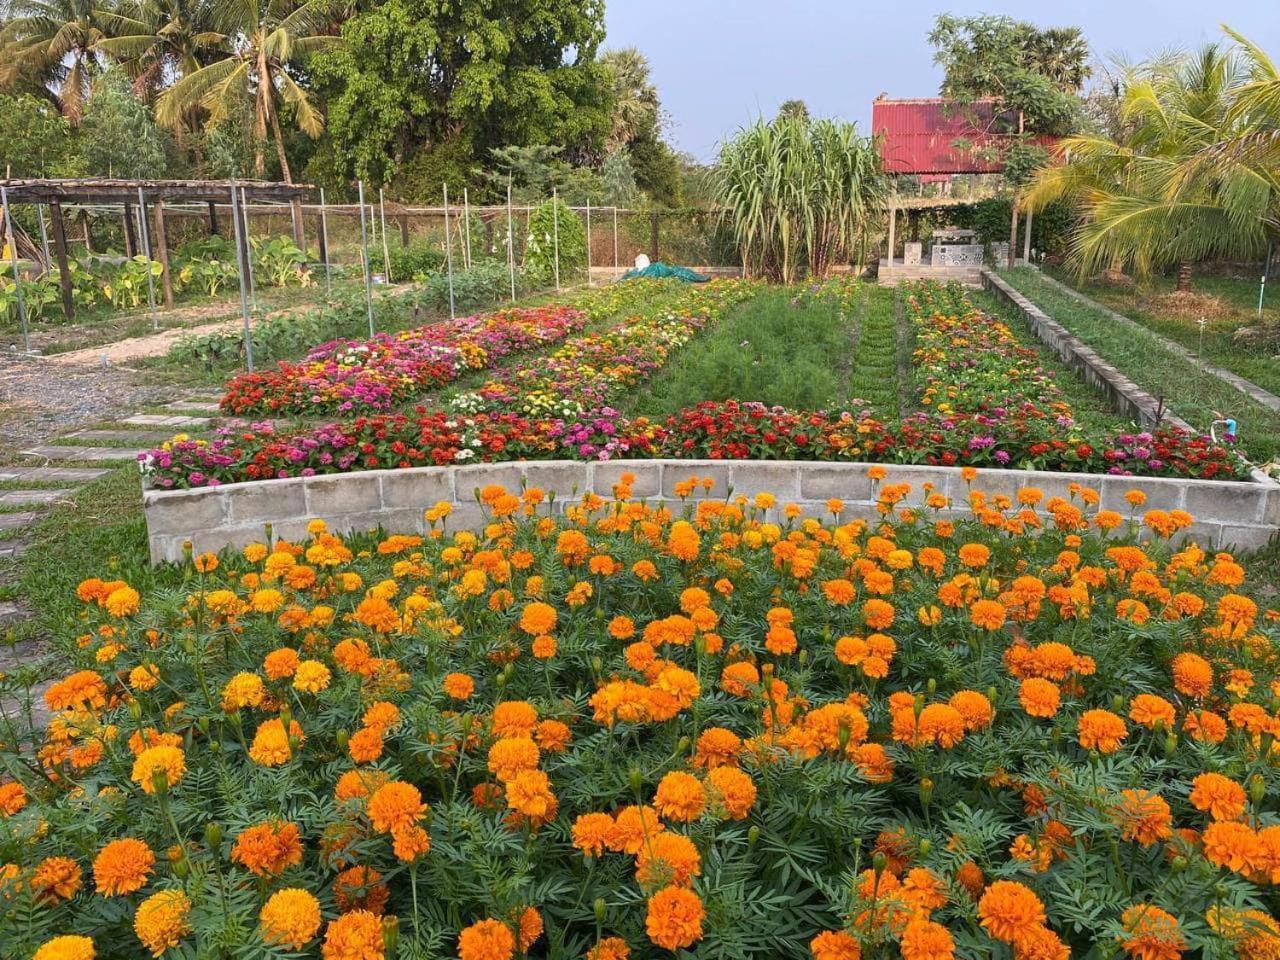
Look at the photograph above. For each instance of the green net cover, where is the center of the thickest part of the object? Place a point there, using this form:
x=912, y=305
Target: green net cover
x=659, y=271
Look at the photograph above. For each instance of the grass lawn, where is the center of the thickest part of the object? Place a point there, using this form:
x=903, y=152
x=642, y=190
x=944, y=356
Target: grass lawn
x=1188, y=391
x=778, y=350
x=1241, y=296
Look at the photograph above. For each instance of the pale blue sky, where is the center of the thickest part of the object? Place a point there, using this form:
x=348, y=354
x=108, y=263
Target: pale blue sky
x=719, y=63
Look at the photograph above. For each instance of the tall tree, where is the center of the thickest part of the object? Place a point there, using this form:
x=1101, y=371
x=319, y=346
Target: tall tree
x=266, y=38
x=635, y=98
x=59, y=41
x=415, y=75
x=161, y=40
x=1178, y=186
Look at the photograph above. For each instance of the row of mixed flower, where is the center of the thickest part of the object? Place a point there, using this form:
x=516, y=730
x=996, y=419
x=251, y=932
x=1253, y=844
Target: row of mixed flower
x=989, y=403
x=624, y=732
x=345, y=376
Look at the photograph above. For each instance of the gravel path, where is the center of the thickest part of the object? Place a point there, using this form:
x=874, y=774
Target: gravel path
x=38, y=401
x=138, y=348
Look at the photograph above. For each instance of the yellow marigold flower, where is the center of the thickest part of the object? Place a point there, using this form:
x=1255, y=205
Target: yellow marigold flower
x=271, y=746
x=70, y=947
x=312, y=676
x=290, y=918
x=122, y=602
x=161, y=921
x=163, y=765
x=243, y=690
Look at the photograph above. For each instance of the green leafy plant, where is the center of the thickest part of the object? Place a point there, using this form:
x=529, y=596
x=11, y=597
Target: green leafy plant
x=278, y=260
x=127, y=286
x=555, y=233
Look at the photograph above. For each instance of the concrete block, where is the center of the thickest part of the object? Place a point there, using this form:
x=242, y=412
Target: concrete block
x=178, y=512
x=418, y=488
x=847, y=481
x=567, y=479
x=782, y=479
x=1245, y=537
x=1240, y=503
x=1161, y=494
x=273, y=500
x=343, y=493
x=468, y=480
x=647, y=473
x=677, y=472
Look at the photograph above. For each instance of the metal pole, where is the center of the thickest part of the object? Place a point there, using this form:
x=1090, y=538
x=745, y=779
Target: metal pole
x=448, y=251
x=364, y=260
x=615, y=239
x=44, y=234
x=241, y=256
x=324, y=233
x=146, y=247
x=588, y=241
x=555, y=232
x=248, y=248
x=13, y=259
x=1266, y=268
x=511, y=243
x=466, y=227
x=386, y=254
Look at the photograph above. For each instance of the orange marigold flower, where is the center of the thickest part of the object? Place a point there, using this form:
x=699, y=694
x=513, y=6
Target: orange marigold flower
x=354, y=936
x=1151, y=934
x=56, y=878
x=941, y=723
x=974, y=555
x=360, y=888
x=1150, y=710
x=1192, y=675
x=13, y=797
x=680, y=797
x=161, y=766
x=1144, y=817
x=1228, y=843
x=529, y=793
x=268, y=849
x=281, y=663
x=925, y=940
x=668, y=859
x=538, y=618
x=70, y=947
x=1101, y=730
x=591, y=832
x=988, y=614
x=161, y=921
x=365, y=745
x=1221, y=797
x=514, y=718
x=974, y=707
x=290, y=918
x=122, y=866
x=632, y=826
x=1039, y=697
x=510, y=755
x=486, y=940
x=271, y=745
x=395, y=805
x=674, y=918
x=835, y=945
x=733, y=791
x=1008, y=911
x=459, y=686
x=878, y=614
x=610, y=948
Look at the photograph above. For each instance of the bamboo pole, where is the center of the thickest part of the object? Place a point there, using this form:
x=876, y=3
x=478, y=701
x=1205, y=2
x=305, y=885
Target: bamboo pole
x=511, y=243
x=364, y=260
x=386, y=254
x=241, y=256
x=146, y=248
x=448, y=252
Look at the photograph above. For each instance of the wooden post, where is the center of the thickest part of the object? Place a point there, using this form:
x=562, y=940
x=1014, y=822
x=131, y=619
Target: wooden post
x=1013, y=230
x=162, y=253
x=88, y=236
x=653, y=236
x=60, y=246
x=403, y=220
x=130, y=238
x=213, y=219
x=299, y=234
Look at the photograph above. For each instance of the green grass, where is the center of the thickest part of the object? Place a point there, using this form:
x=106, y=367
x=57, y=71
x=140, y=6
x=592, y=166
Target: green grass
x=1240, y=294
x=1188, y=391
x=1092, y=411
x=768, y=349
x=873, y=378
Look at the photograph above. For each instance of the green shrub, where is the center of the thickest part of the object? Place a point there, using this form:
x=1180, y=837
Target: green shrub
x=416, y=261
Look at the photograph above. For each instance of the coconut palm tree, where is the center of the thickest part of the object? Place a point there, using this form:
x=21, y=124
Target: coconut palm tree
x=61, y=41
x=265, y=38
x=160, y=40
x=1166, y=192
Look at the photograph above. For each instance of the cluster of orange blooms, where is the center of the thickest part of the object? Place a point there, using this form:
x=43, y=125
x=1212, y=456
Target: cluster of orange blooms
x=968, y=714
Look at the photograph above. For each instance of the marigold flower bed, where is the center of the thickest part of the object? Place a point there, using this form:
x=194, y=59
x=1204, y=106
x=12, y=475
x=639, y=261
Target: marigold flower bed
x=989, y=403
x=622, y=732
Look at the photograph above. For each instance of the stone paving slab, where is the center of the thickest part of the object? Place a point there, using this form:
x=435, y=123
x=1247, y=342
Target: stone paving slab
x=12, y=549
x=52, y=474
x=141, y=436
x=16, y=521
x=55, y=452
x=193, y=405
x=16, y=498
x=161, y=420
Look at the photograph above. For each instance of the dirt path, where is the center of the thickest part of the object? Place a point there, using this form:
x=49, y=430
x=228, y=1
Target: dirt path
x=138, y=348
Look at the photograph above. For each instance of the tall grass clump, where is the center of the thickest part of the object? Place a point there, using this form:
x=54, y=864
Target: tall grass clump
x=797, y=194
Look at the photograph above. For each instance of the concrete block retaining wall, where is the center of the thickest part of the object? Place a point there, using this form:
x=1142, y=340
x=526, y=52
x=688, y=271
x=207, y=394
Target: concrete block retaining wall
x=1240, y=515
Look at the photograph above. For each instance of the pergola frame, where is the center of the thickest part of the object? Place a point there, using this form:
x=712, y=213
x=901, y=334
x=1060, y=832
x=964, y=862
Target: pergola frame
x=143, y=194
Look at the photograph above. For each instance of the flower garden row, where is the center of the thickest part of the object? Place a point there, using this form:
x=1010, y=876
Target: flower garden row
x=630, y=731
x=343, y=376
x=987, y=403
